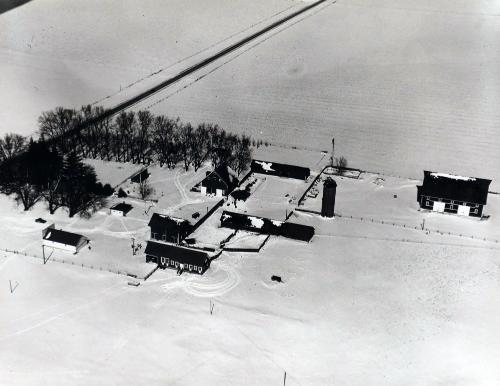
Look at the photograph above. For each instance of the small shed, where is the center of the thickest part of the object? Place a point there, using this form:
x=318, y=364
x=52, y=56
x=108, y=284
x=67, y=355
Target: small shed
x=280, y=170
x=167, y=228
x=447, y=193
x=59, y=239
x=120, y=209
x=175, y=257
x=221, y=181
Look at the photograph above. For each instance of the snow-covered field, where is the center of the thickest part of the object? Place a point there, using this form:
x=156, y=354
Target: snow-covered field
x=70, y=52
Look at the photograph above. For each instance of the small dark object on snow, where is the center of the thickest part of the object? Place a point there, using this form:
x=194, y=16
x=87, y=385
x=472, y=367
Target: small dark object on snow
x=395, y=196
x=276, y=278
x=196, y=215
x=40, y=220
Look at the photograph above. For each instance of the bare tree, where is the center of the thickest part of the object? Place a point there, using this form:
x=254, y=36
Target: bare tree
x=11, y=145
x=341, y=164
x=145, y=190
x=185, y=139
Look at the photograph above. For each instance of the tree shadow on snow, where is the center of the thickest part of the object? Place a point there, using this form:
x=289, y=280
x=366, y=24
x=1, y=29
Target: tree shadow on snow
x=7, y=5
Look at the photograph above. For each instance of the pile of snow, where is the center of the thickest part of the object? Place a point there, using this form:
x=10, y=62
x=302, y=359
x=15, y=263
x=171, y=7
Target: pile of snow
x=267, y=166
x=256, y=222
x=452, y=176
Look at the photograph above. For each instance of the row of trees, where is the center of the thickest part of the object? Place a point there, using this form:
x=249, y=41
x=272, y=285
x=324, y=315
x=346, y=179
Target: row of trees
x=41, y=172
x=144, y=138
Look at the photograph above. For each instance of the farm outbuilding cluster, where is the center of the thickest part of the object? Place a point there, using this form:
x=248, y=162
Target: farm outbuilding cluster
x=448, y=193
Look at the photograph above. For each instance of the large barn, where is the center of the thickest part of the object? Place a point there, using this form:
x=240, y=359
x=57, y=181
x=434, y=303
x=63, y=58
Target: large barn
x=266, y=226
x=280, y=170
x=448, y=193
x=220, y=182
x=171, y=229
x=175, y=257
x=59, y=239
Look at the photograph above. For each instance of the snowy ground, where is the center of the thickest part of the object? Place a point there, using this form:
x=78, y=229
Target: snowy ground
x=352, y=310
x=111, y=172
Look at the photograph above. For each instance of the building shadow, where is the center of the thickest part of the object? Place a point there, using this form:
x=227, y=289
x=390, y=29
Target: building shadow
x=7, y=5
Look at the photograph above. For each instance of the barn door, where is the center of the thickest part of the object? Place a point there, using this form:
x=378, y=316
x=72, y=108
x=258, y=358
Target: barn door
x=463, y=210
x=438, y=206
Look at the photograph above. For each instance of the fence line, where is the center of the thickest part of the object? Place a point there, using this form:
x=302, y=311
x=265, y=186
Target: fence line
x=82, y=265
x=392, y=223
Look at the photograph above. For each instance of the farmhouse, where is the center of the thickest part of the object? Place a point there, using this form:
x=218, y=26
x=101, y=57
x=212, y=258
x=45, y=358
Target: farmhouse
x=448, y=193
x=59, y=239
x=140, y=176
x=120, y=209
x=263, y=225
x=171, y=229
x=221, y=181
x=280, y=170
x=179, y=258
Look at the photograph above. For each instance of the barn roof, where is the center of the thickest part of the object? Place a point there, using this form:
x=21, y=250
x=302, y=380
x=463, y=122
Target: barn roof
x=122, y=207
x=281, y=170
x=297, y=231
x=63, y=237
x=180, y=254
x=267, y=226
x=166, y=221
x=448, y=186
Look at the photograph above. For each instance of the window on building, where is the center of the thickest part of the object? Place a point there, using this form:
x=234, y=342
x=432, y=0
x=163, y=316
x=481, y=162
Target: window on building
x=190, y=267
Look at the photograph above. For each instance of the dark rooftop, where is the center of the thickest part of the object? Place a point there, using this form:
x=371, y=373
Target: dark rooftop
x=447, y=186
x=123, y=207
x=163, y=220
x=181, y=254
x=63, y=237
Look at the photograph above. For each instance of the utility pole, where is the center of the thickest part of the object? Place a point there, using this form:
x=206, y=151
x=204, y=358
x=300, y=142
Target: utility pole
x=333, y=151
x=133, y=246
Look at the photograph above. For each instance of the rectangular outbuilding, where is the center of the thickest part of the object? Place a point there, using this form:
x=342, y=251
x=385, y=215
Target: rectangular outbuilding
x=264, y=225
x=447, y=193
x=120, y=209
x=178, y=258
x=280, y=170
x=59, y=239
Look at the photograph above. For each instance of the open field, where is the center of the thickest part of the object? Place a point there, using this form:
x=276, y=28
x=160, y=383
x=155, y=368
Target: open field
x=71, y=53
